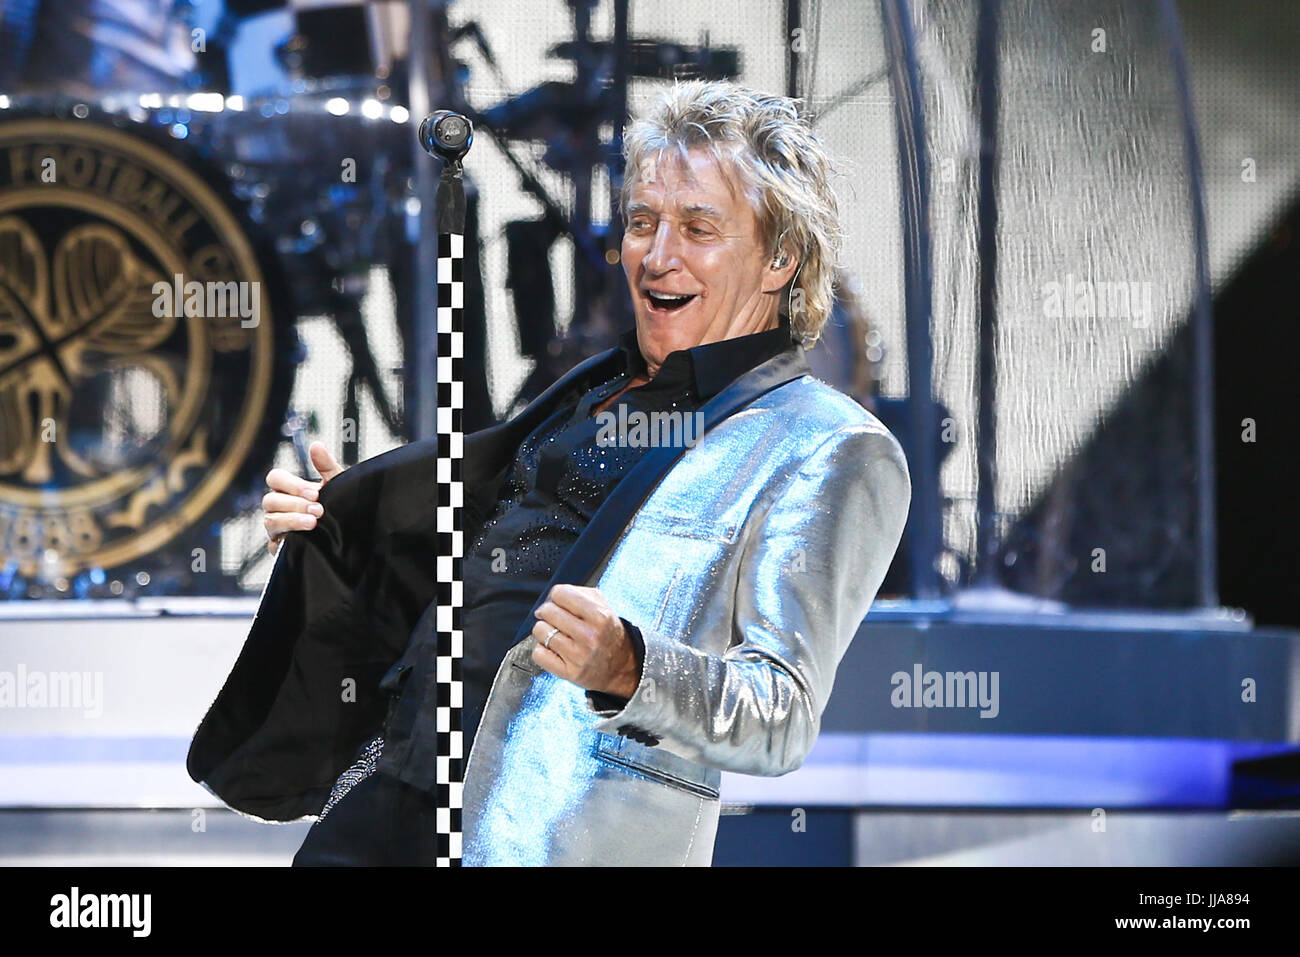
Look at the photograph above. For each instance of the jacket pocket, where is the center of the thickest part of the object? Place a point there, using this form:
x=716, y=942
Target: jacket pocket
x=524, y=663
x=612, y=749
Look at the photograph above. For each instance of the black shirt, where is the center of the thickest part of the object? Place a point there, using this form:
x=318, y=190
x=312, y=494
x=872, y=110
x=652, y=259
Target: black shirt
x=562, y=473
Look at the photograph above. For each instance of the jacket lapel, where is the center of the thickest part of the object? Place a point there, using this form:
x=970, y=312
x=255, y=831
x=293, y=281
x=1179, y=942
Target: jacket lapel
x=614, y=514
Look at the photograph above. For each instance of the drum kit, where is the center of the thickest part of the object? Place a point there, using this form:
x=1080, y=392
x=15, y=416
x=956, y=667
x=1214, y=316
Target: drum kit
x=128, y=431
x=125, y=422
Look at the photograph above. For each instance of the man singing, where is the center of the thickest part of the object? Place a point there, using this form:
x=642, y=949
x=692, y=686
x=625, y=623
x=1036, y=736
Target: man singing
x=638, y=617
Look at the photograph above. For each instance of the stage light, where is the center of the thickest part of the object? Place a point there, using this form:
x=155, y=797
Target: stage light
x=338, y=106
x=205, y=102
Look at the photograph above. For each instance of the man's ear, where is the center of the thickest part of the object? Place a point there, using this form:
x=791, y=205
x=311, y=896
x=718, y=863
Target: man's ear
x=779, y=271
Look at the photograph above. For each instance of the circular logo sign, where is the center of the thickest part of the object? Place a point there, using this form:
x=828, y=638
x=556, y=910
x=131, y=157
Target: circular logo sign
x=135, y=346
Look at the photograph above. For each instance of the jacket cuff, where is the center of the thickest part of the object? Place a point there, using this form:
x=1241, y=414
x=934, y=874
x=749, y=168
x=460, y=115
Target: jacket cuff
x=606, y=704
x=644, y=717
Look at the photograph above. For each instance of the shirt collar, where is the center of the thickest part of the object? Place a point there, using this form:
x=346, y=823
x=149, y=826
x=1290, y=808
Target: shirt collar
x=711, y=367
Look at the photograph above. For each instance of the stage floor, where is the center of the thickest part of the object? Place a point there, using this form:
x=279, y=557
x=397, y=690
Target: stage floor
x=172, y=837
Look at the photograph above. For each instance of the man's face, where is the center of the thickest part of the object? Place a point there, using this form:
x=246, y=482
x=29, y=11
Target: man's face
x=695, y=266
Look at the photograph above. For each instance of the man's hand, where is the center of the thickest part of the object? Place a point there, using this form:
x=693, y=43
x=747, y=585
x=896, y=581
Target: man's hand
x=592, y=648
x=291, y=504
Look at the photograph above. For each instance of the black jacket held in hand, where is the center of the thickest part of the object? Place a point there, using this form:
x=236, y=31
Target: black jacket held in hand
x=337, y=611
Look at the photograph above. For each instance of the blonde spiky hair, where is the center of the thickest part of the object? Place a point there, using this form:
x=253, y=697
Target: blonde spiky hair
x=785, y=167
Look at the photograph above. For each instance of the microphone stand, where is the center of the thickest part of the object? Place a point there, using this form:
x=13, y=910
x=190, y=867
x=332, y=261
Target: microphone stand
x=449, y=136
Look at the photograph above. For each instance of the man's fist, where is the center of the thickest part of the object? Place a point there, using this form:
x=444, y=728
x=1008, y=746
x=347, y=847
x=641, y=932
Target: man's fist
x=592, y=648
x=291, y=504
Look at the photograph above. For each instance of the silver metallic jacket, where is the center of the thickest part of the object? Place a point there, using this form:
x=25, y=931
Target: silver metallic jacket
x=748, y=570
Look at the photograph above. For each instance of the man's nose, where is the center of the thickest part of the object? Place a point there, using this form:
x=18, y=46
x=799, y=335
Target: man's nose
x=664, y=254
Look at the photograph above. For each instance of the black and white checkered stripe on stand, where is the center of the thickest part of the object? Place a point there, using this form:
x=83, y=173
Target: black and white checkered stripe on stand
x=451, y=354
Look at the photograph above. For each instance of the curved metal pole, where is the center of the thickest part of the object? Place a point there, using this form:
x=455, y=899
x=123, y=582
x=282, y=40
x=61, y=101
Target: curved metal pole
x=914, y=186
x=1202, y=323
x=986, y=444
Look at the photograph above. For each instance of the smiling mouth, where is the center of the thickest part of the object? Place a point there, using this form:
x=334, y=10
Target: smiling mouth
x=662, y=302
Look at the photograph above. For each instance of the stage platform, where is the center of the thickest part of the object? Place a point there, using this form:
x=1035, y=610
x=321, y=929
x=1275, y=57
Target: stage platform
x=758, y=836
x=1164, y=721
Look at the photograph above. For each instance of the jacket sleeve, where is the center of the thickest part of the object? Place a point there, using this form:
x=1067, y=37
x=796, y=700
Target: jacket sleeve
x=807, y=576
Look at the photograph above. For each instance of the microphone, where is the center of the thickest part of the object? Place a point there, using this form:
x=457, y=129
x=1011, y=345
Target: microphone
x=447, y=135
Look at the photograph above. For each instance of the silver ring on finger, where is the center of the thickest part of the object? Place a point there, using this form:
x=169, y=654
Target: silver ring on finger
x=546, y=642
